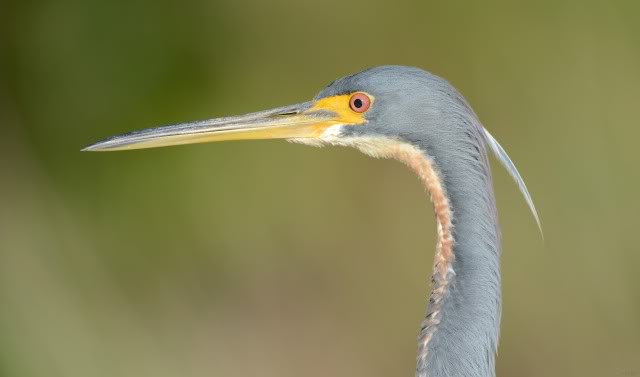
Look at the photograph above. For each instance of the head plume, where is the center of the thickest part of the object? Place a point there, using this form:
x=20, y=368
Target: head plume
x=504, y=159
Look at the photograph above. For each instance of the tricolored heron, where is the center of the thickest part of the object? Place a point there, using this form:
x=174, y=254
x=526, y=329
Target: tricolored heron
x=421, y=120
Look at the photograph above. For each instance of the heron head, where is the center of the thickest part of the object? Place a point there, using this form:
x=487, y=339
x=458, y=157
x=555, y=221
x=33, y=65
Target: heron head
x=384, y=102
x=396, y=104
x=375, y=110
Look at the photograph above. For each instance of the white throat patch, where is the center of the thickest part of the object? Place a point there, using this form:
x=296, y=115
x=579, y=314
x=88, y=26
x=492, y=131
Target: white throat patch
x=377, y=147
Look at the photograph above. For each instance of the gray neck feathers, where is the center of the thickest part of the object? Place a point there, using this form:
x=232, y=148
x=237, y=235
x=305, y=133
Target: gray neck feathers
x=464, y=339
x=423, y=110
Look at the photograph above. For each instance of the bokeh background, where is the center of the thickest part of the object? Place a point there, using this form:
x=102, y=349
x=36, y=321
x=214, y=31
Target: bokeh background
x=274, y=259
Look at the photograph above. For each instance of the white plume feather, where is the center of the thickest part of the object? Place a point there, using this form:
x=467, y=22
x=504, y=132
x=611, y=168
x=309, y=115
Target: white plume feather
x=504, y=159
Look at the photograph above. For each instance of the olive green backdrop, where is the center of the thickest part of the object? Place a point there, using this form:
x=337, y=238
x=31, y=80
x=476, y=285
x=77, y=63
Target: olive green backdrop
x=274, y=259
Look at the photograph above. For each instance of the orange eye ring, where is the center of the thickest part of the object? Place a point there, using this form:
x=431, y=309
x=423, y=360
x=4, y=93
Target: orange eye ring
x=359, y=102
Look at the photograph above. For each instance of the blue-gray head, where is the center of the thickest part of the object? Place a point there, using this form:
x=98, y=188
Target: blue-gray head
x=418, y=118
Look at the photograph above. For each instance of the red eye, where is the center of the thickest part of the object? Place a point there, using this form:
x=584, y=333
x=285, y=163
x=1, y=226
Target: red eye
x=359, y=102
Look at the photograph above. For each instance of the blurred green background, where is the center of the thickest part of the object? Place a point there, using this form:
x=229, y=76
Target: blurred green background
x=274, y=259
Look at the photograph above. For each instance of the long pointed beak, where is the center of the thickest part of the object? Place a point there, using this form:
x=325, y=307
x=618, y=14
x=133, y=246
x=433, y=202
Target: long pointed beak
x=305, y=120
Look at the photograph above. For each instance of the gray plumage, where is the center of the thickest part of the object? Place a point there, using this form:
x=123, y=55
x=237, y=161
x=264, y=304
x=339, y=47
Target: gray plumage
x=425, y=111
x=410, y=106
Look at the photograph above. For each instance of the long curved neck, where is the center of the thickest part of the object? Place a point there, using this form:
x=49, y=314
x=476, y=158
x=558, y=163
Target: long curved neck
x=459, y=335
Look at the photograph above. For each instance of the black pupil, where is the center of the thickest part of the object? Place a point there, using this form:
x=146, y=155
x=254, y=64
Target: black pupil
x=357, y=103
